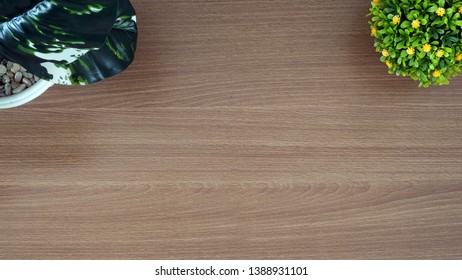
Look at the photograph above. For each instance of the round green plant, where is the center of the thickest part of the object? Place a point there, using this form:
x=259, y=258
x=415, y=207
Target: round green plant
x=421, y=39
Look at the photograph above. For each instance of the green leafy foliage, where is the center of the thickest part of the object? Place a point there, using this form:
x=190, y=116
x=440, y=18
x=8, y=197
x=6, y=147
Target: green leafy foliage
x=421, y=39
x=67, y=41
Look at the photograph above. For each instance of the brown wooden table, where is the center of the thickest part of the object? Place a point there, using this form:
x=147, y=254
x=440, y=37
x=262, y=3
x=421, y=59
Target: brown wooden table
x=245, y=129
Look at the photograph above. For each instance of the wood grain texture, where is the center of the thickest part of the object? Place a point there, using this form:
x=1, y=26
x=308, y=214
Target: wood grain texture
x=245, y=129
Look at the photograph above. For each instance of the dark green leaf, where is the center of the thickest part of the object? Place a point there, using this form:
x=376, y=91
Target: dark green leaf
x=389, y=10
x=405, y=24
x=432, y=9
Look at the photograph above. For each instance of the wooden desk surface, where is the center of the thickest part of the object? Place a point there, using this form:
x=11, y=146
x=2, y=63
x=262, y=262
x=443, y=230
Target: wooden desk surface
x=245, y=129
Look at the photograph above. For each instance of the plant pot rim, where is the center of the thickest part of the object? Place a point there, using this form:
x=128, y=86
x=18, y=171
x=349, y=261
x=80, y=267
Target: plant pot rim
x=25, y=96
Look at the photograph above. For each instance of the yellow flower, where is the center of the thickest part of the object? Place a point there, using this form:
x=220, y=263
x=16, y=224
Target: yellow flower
x=459, y=57
x=376, y=1
x=440, y=11
x=426, y=47
x=440, y=53
x=374, y=31
x=388, y=63
x=396, y=20
x=436, y=73
x=460, y=10
x=410, y=51
x=416, y=23
x=385, y=53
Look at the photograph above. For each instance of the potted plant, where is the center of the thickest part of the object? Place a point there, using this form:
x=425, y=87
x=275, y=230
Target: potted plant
x=419, y=38
x=66, y=42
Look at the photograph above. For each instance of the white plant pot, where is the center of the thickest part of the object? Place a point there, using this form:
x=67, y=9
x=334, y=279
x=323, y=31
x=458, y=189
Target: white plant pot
x=25, y=96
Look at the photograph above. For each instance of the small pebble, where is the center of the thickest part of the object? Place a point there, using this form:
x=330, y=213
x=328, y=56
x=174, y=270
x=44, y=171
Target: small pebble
x=3, y=69
x=8, y=89
x=27, y=82
x=20, y=88
x=15, y=68
x=18, y=77
x=27, y=75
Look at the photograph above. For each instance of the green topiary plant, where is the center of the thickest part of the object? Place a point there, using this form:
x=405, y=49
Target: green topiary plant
x=419, y=38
